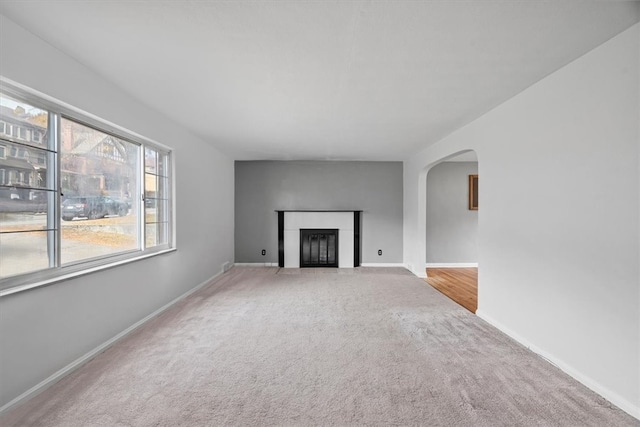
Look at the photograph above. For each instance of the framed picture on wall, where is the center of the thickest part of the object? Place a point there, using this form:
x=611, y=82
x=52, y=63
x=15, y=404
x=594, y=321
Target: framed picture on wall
x=473, y=192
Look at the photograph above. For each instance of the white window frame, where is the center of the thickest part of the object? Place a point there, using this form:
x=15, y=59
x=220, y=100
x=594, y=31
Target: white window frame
x=58, y=272
x=3, y=151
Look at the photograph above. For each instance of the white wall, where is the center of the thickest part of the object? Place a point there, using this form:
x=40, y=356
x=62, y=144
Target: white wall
x=558, y=225
x=44, y=329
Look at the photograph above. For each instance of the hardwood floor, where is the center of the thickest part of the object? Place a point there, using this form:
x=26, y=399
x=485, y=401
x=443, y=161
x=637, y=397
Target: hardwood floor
x=459, y=284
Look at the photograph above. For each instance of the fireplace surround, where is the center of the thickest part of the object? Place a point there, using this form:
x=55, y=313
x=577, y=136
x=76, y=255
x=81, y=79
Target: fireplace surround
x=346, y=224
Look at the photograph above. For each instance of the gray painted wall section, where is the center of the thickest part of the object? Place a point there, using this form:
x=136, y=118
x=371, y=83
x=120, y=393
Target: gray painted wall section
x=264, y=186
x=452, y=229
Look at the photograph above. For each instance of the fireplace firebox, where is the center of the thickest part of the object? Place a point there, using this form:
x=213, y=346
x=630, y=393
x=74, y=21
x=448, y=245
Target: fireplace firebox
x=319, y=247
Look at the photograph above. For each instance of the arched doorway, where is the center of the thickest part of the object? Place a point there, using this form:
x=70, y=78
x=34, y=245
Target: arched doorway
x=451, y=228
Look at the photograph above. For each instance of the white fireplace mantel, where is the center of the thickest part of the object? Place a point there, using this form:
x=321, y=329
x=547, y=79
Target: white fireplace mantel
x=344, y=221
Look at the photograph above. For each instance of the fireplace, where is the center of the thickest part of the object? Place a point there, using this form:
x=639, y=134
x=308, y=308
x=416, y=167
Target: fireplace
x=339, y=229
x=318, y=247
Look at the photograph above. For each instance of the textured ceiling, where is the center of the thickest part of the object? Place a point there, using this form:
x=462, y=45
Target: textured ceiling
x=374, y=80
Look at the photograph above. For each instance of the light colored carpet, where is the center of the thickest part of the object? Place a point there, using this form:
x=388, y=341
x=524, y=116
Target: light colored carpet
x=317, y=347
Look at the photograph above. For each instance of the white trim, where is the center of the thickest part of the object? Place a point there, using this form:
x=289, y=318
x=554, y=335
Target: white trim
x=294, y=221
x=383, y=264
x=616, y=399
x=255, y=264
x=452, y=264
x=57, y=376
x=418, y=273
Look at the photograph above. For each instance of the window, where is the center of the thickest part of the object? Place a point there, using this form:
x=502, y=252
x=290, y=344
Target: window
x=80, y=195
x=156, y=197
x=96, y=195
x=40, y=158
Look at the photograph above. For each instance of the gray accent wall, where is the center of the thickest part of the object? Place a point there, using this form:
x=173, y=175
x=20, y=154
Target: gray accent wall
x=261, y=187
x=452, y=229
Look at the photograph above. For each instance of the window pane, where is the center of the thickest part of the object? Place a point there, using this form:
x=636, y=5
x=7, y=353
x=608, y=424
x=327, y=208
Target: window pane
x=29, y=214
x=163, y=188
x=157, y=234
x=163, y=164
x=156, y=187
x=151, y=235
x=24, y=169
x=162, y=210
x=150, y=161
x=150, y=186
x=98, y=176
x=22, y=122
x=23, y=252
x=156, y=210
x=151, y=209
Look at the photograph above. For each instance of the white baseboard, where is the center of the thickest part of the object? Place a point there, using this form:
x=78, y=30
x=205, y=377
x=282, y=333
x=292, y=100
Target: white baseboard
x=57, y=376
x=255, y=264
x=383, y=264
x=452, y=264
x=616, y=399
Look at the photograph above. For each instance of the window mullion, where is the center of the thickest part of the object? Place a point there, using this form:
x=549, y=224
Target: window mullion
x=53, y=197
x=142, y=223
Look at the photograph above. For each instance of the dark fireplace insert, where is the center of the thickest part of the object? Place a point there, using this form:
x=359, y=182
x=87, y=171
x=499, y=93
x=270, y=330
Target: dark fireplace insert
x=319, y=247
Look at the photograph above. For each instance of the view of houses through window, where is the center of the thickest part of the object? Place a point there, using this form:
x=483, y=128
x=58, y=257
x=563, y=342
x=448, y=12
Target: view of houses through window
x=70, y=192
x=97, y=178
x=27, y=188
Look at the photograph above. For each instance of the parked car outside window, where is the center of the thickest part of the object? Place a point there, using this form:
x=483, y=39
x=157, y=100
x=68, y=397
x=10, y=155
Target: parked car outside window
x=92, y=207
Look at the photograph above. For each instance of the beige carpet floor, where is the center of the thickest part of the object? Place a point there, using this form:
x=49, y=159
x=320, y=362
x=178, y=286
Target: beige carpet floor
x=317, y=347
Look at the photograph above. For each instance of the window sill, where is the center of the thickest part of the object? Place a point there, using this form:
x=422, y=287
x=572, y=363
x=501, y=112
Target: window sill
x=80, y=272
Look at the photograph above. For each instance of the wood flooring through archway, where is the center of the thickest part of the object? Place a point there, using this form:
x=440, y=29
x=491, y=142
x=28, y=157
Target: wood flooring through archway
x=459, y=284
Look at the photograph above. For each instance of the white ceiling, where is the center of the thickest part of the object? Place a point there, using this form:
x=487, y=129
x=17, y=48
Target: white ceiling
x=371, y=80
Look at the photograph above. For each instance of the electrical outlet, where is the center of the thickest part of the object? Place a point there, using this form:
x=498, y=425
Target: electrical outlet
x=264, y=252
x=379, y=252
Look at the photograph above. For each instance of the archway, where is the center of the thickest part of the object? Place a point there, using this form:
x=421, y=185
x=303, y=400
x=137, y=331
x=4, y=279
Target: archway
x=451, y=227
